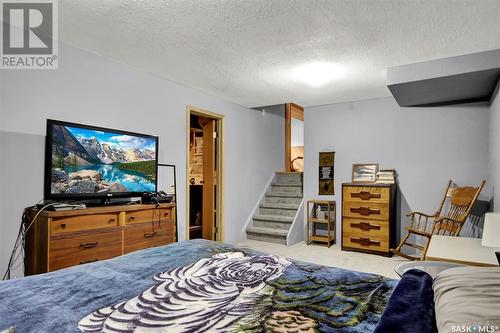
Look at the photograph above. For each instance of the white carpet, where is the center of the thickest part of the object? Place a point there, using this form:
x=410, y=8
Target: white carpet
x=333, y=256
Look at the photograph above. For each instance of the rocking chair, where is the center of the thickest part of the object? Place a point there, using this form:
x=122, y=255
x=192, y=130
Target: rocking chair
x=448, y=223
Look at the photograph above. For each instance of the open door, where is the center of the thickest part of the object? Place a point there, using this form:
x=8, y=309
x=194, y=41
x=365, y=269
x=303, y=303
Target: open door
x=208, y=204
x=204, y=175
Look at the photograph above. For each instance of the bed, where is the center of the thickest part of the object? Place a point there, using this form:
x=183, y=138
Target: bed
x=203, y=286
x=195, y=286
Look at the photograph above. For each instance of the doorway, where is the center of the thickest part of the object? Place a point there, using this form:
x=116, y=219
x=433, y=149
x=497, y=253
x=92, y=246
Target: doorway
x=204, y=175
x=294, y=138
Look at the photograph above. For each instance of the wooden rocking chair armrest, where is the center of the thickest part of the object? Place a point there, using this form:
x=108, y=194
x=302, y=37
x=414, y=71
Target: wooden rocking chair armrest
x=444, y=218
x=446, y=222
x=418, y=218
x=412, y=214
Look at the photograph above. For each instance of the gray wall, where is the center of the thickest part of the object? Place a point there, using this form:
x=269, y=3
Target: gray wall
x=494, y=169
x=427, y=146
x=90, y=89
x=297, y=132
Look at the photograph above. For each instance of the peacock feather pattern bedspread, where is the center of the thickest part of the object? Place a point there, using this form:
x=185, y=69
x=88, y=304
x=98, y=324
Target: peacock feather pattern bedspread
x=196, y=286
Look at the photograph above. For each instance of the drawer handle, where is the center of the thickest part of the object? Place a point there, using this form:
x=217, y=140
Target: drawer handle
x=365, y=211
x=365, y=195
x=88, y=261
x=132, y=218
x=166, y=214
x=365, y=241
x=88, y=245
x=365, y=226
x=149, y=234
x=63, y=225
x=111, y=220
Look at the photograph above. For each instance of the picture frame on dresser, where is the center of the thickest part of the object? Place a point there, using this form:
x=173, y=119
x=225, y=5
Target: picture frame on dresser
x=364, y=173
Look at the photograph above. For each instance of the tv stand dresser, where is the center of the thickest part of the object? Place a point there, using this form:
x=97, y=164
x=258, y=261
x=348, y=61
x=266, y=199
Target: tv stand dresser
x=60, y=239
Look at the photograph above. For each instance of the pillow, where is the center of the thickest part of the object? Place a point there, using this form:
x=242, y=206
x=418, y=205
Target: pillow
x=467, y=299
x=412, y=298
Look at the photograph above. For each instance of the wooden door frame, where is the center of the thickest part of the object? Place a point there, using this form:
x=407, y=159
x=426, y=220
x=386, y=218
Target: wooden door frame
x=191, y=110
x=292, y=110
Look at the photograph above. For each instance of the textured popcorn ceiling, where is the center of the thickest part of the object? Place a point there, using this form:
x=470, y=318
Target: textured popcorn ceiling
x=245, y=50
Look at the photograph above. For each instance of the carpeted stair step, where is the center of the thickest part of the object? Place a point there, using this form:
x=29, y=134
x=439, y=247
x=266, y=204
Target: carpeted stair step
x=288, y=177
x=284, y=194
x=272, y=221
x=281, y=198
x=267, y=234
x=281, y=209
x=280, y=206
x=287, y=184
x=286, y=189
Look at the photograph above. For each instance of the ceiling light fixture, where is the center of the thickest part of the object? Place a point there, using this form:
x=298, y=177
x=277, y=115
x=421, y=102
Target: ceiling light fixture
x=318, y=73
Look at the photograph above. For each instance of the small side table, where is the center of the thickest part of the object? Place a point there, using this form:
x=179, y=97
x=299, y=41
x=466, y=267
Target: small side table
x=321, y=212
x=432, y=268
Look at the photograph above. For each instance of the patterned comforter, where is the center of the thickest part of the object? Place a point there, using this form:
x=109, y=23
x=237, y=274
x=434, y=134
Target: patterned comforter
x=195, y=286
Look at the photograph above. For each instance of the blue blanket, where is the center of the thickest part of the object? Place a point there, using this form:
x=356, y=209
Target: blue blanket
x=195, y=286
x=411, y=306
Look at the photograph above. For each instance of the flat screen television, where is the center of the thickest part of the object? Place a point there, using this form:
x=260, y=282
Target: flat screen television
x=87, y=162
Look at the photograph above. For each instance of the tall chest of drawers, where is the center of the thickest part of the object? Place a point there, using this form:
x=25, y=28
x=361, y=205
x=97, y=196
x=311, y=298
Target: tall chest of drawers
x=63, y=239
x=369, y=217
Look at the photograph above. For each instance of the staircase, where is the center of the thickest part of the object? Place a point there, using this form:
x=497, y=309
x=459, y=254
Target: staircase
x=277, y=210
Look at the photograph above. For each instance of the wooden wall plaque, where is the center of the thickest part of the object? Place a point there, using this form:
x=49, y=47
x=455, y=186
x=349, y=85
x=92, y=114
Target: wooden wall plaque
x=326, y=173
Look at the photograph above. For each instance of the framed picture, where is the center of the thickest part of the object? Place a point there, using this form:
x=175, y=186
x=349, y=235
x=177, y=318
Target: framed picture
x=167, y=183
x=167, y=180
x=326, y=172
x=364, y=173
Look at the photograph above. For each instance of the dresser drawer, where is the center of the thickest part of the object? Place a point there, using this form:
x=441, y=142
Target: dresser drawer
x=369, y=228
x=165, y=233
x=137, y=237
x=364, y=242
x=368, y=210
x=366, y=194
x=166, y=214
x=148, y=215
x=80, y=248
x=141, y=216
x=82, y=222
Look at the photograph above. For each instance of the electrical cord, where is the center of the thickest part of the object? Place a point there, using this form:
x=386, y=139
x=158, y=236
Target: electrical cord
x=21, y=236
x=157, y=205
x=6, y=275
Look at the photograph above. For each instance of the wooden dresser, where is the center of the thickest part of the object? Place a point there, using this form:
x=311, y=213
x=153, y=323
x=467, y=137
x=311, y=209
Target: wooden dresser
x=368, y=217
x=67, y=238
